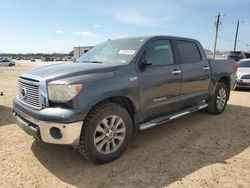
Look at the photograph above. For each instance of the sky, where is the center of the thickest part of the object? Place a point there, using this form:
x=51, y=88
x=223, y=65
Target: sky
x=48, y=26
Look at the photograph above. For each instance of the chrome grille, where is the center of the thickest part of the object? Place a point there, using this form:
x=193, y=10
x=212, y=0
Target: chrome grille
x=28, y=92
x=246, y=76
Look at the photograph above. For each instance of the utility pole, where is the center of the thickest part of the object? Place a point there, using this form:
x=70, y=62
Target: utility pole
x=216, y=32
x=236, y=35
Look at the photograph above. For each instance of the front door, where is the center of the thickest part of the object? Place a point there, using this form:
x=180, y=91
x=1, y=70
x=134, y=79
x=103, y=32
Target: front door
x=159, y=80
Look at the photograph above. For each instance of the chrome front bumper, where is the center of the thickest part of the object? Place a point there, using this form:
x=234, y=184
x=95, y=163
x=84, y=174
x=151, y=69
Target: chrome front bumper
x=49, y=132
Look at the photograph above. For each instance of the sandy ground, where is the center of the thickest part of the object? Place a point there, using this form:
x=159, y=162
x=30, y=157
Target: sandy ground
x=199, y=150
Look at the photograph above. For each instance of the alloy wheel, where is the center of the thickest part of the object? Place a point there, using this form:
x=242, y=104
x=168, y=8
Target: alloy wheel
x=109, y=134
x=221, y=99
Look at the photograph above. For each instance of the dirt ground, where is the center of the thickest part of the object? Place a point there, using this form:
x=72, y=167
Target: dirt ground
x=198, y=150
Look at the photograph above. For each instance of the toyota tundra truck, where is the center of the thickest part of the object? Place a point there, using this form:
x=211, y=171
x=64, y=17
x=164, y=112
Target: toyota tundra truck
x=118, y=88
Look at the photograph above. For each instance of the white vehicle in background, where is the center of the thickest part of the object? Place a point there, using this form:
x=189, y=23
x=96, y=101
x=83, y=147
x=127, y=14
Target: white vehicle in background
x=243, y=74
x=7, y=62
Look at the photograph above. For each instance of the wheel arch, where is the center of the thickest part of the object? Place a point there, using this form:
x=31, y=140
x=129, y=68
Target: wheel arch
x=126, y=103
x=226, y=81
x=222, y=79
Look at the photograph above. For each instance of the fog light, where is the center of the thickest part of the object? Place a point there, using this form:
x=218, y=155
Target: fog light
x=55, y=133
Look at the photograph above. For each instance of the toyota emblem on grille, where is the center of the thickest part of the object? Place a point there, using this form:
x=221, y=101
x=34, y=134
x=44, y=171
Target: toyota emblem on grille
x=24, y=93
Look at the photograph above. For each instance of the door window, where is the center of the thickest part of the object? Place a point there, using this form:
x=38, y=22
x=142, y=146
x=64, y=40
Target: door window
x=189, y=52
x=159, y=53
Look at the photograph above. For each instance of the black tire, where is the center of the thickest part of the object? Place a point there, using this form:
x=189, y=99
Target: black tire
x=87, y=146
x=213, y=106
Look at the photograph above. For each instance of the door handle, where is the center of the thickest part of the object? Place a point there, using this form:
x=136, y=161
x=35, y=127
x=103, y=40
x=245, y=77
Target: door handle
x=176, y=71
x=206, y=68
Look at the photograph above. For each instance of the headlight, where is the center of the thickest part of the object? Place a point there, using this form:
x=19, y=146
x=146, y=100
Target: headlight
x=63, y=92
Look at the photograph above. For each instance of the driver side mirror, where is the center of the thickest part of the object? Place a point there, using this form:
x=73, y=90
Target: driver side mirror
x=143, y=62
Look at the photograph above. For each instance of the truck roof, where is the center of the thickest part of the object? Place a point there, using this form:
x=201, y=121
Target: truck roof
x=147, y=37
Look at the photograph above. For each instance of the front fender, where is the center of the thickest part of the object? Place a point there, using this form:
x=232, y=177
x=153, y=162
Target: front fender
x=101, y=87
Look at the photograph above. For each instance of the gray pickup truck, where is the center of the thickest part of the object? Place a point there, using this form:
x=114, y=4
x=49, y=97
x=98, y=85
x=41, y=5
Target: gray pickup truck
x=118, y=88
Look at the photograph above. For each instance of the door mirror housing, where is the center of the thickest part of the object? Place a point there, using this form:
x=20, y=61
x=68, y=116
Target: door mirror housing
x=143, y=64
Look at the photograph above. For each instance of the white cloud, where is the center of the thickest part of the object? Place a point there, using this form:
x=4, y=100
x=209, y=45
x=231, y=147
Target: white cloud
x=96, y=26
x=147, y=14
x=85, y=33
x=134, y=18
x=141, y=19
x=59, y=31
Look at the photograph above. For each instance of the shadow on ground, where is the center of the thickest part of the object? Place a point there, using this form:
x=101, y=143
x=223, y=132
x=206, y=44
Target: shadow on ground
x=6, y=116
x=159, y=156
x=242, y=89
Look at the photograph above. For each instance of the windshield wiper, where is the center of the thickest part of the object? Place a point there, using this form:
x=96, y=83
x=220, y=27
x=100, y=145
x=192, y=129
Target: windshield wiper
x=96, y=62
x=91, y=61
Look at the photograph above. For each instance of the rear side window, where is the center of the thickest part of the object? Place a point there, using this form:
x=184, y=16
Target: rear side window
x=189, y=52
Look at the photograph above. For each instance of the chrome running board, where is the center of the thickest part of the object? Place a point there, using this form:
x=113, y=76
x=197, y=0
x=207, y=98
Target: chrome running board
x=161, y=120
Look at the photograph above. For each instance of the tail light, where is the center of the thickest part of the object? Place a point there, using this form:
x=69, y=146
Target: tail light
x=236, y=67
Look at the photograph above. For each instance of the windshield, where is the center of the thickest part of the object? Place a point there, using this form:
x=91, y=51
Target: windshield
x=244, y=64
x=120, y=51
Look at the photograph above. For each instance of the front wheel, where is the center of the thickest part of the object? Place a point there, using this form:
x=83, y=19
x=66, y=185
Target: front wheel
x=217, y=103
x=106, y=133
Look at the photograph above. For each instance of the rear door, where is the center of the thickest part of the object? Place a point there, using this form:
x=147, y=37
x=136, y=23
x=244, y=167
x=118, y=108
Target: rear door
x=160, y=80
x=196, y=71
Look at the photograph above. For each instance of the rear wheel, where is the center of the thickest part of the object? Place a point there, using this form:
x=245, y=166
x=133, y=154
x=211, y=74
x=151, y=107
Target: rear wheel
x=105, y=133
x=217, y=103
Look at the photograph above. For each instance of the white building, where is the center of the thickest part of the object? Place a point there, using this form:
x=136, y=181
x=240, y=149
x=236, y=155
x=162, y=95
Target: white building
x=79, y=51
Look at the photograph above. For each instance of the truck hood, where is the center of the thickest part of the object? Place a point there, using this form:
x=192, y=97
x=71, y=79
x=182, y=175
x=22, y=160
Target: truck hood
x=65, y=70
